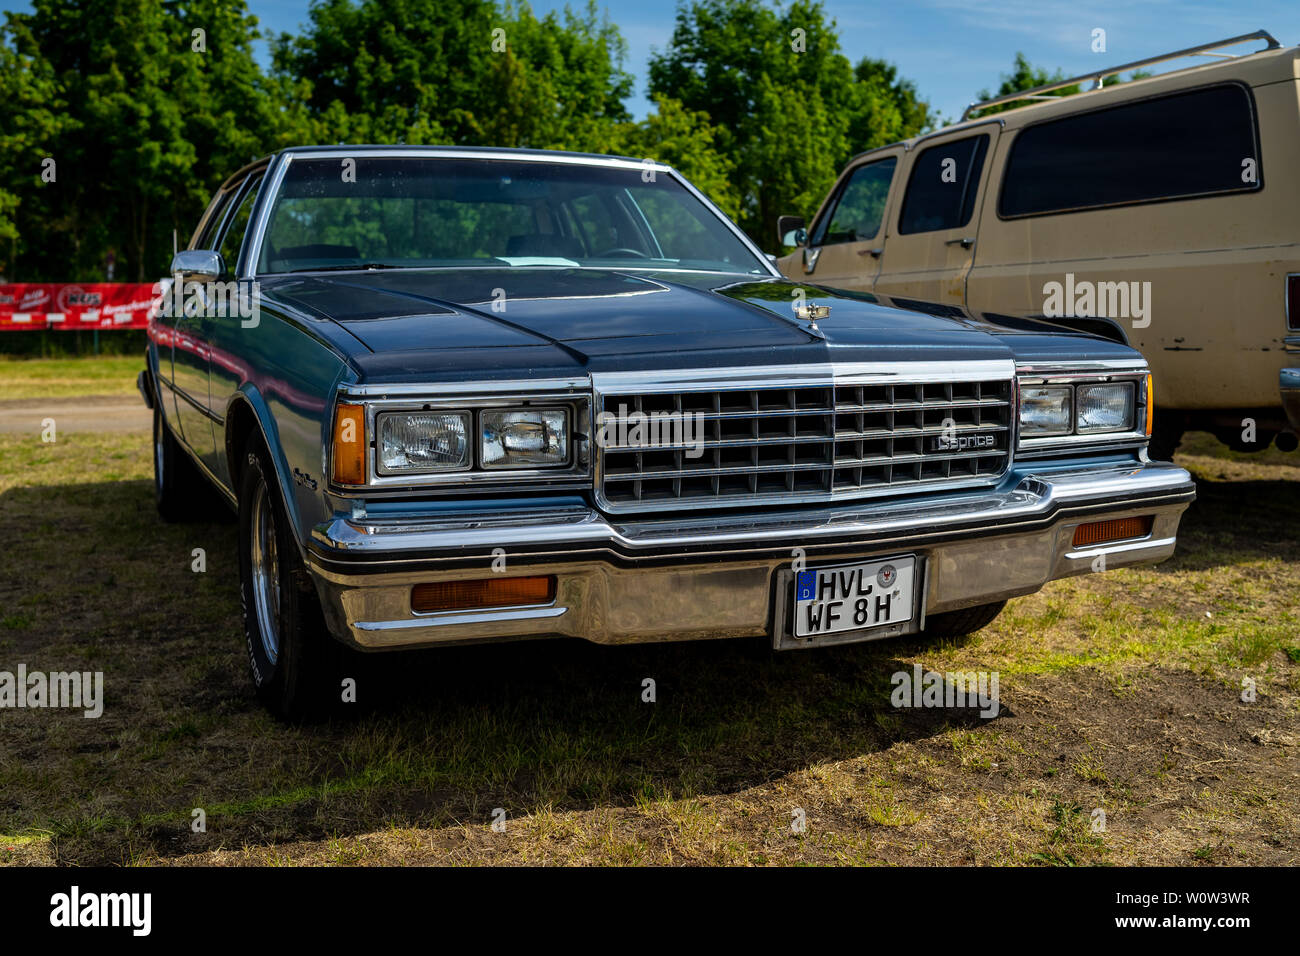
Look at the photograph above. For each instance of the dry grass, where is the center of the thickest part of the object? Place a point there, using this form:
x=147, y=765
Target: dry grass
x=1120, y=692
x=24, y=378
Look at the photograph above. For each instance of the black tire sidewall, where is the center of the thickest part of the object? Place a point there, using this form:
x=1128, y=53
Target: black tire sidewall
x=295, y=684
x=268, y=677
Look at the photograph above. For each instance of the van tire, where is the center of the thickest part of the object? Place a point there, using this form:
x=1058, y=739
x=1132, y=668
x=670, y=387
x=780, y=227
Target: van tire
x=1166, y=435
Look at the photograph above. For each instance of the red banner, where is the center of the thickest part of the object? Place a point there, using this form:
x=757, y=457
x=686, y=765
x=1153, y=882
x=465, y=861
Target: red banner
x=64, y=305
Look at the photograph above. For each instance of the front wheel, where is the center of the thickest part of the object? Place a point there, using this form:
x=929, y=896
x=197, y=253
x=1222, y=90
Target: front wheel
x=959, y=623
x=294, y=661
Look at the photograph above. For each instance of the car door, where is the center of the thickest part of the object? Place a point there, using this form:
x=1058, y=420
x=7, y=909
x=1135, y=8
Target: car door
x=191, y=353
x=844, y=244
x=930, y=244
x=189, y=350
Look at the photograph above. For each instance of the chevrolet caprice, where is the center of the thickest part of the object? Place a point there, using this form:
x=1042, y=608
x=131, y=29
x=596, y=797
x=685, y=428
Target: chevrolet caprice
x=461, y=395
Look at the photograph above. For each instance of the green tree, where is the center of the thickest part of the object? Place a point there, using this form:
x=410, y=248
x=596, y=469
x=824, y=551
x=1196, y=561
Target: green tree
x=148, y=117
x=461, y=72
x=679, y=137
x=789, y=107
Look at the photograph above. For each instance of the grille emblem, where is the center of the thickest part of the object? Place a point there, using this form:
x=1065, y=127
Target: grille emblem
x=961, y=442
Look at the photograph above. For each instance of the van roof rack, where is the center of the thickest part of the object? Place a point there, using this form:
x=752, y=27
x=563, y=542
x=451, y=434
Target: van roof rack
x=1098, y=76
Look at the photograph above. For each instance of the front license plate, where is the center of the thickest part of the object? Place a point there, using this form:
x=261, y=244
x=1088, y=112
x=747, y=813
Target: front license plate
x=853, y=597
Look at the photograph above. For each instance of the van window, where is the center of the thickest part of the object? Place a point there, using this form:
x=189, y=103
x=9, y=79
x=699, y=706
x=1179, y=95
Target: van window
x=860, y=206
x=943, y=186
x=1186, y=144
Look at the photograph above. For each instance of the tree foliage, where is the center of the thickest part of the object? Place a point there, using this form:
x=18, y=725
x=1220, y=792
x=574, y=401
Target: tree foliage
x=789, y=107
x=121, y=117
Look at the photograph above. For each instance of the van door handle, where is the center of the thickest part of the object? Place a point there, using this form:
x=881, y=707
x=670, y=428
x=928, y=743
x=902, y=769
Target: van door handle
x=870, y=252
x=965, y=243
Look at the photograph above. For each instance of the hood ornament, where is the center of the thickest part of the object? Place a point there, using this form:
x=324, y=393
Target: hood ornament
x=811, y=313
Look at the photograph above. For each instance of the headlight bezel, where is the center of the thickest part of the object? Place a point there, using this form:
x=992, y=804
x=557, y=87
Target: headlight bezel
x=1138, y=378
x=570, y=397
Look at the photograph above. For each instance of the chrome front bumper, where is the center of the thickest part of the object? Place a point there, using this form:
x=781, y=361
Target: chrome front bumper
x=695, y=576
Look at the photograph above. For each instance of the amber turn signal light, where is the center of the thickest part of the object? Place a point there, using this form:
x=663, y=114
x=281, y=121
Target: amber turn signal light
x=349, y=447
x=481, y=593
x=1151, y=405
x=1116, y=529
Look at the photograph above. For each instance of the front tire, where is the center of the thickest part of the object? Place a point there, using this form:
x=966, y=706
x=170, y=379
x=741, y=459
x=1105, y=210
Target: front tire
x=293, y=660
x=965, y=621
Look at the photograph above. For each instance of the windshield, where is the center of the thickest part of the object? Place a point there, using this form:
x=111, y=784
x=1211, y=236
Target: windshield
x=427, y=213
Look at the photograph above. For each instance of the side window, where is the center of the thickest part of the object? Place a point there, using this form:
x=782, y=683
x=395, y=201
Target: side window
x=1187, y=144
x=237, y=226
x=942, y=189
x=207, y=237
x=860, y=206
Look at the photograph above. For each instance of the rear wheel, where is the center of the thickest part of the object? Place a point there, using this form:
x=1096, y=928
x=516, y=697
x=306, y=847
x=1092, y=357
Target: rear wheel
x=294, y=662
x=968, y=620
x=180, y=491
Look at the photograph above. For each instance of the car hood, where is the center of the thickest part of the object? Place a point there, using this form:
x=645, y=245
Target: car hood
x=398, y=324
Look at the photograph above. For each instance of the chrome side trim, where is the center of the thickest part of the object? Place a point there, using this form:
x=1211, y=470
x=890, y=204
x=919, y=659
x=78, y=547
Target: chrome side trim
x=438, y=389
x=451, y=619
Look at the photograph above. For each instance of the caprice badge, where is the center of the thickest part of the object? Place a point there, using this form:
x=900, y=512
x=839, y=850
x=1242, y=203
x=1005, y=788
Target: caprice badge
x=961, y=442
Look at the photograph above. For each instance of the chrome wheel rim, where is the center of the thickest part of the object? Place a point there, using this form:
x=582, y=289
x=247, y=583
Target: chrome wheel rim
x=266, y=574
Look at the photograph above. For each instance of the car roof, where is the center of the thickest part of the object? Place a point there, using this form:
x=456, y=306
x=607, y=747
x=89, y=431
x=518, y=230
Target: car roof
x=484, y=151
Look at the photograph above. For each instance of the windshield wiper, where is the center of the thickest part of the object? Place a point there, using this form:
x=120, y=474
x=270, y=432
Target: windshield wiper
x=341, y=267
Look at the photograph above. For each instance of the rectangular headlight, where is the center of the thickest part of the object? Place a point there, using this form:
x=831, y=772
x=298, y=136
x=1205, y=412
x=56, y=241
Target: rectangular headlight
x=523, y=437
x=1046, y=410
x=1105, y=408
x=422, y=442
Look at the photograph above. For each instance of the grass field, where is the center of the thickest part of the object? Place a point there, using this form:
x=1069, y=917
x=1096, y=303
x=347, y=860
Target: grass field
x=1120, y=692
x=22, y=378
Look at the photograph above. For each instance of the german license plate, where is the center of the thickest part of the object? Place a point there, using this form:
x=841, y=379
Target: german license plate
x=854, y=597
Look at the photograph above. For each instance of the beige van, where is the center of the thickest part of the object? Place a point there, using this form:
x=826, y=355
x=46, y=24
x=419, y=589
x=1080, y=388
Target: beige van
x=1163, y=211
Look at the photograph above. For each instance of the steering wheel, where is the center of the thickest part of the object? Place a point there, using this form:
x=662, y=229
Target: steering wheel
x=620, y=252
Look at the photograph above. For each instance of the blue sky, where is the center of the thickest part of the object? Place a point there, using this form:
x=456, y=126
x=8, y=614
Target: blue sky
x=950, y=48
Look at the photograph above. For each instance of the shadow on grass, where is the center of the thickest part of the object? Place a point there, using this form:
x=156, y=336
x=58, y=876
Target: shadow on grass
x=437, y=737
x=1235, y=521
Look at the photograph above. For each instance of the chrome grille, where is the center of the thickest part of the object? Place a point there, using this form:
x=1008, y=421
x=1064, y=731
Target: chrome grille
x=807, y=443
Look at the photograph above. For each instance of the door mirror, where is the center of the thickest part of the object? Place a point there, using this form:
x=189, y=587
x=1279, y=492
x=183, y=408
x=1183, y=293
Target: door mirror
x=790, y=230
x=197, y=264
